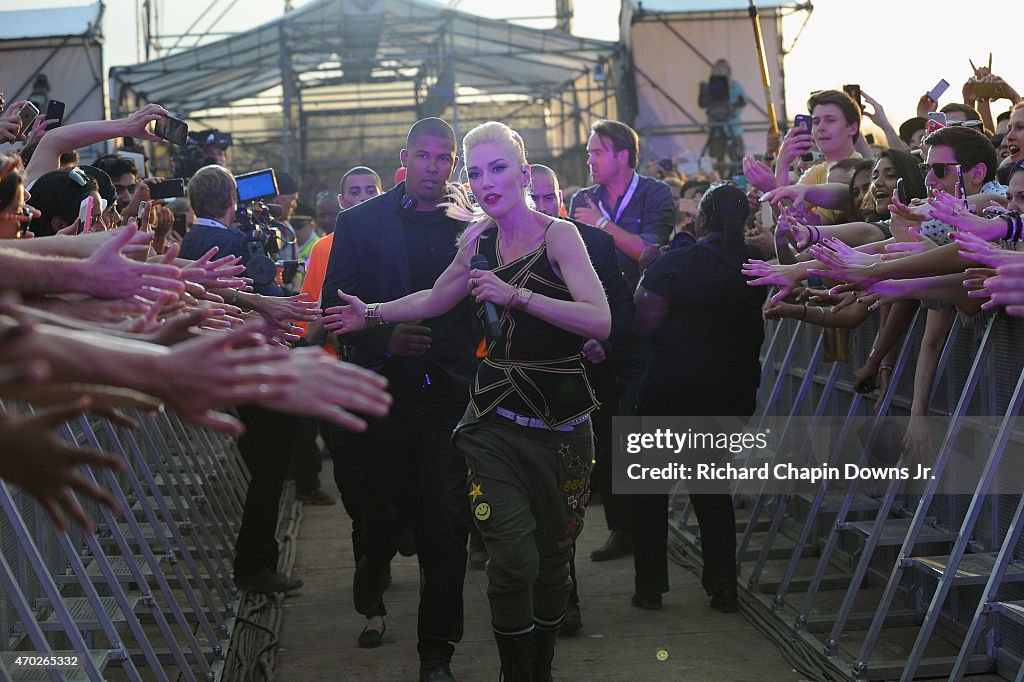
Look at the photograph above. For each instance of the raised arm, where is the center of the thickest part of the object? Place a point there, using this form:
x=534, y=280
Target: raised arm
x=75, y=135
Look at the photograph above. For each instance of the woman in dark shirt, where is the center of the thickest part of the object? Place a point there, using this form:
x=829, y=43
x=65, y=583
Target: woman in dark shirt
x=707, y=330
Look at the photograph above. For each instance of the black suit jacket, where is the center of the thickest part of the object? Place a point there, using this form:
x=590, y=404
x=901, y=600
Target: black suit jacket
x=369, y=259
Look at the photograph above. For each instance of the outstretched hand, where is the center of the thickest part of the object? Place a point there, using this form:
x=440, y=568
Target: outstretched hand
x=975, y=248
x=109, y=274
x=342, y=319
x=47, y=468
x=328, y=389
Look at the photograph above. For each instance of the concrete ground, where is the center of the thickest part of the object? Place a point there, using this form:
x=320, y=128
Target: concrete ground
x=686, y=640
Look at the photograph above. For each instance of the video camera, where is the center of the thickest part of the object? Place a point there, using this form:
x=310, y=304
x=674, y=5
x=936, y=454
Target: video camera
x=192, y=155
x=264, y=235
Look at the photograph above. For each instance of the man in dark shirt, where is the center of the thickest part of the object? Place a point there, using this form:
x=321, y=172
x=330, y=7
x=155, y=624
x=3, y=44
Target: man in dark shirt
x=637, y=212
x=387, y=247
x=547, y=197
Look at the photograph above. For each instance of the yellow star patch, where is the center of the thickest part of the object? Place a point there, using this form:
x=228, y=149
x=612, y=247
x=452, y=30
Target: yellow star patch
x=475, y=492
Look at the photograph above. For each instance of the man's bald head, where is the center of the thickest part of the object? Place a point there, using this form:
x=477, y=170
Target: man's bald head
x=544, y=190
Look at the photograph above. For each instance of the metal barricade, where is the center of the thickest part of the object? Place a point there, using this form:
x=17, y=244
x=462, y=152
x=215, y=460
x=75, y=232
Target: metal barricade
x=150, y=595
x=906, y=582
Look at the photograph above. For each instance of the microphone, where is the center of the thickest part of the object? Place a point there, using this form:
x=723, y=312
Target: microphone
x=492, y=325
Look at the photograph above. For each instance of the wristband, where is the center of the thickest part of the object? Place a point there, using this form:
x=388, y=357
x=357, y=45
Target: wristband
x=1009, y=226
x=804, y=316
x=374, y=317
x=602, y=223
x=234, y=297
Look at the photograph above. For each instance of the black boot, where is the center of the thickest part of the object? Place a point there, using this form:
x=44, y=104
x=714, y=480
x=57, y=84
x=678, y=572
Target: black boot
x=544, y=637
x=516, y=654
x=619, y=544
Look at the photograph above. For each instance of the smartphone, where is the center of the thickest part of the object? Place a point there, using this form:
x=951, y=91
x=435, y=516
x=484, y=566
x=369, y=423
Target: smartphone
x=936, y=92
x=869, y=138
x=960, y=179
x=901, y=191
x=936, y=120
x=27, y=114
x=167, y=189
x=85, y=214
x=585, y=197
x=171, y=129
x=55, y=109
x=988, y=90
x=853, y=90
x=803, y=120
x=142, y=219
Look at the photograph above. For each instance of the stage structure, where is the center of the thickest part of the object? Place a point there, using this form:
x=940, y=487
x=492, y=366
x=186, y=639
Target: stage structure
x=55, y=53
x=336, y=83
x=695, y=76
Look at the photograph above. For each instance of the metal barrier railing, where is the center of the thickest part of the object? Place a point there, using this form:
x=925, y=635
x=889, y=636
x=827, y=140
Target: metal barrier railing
x=152, y=589
x=809, y=560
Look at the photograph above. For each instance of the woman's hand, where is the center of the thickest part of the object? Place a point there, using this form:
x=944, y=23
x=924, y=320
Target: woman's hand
x=785, y=277
x=758, y=174
x=975, y=248
x=912, y=213
x=484, y=285
x=343, y=319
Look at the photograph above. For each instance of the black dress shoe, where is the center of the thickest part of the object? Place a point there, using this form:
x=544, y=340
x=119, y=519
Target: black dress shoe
x=619, y=544
x=651, y=602
x=267, y=582
x=724, y=600
x=371, y=639
x=436, y=670
x=572, y=623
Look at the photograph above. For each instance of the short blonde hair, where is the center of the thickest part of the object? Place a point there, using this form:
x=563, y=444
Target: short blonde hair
x=212, y=191
x=459, y=207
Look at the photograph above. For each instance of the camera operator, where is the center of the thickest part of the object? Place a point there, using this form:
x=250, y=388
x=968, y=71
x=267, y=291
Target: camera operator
x=723, y=98
x=268, y=438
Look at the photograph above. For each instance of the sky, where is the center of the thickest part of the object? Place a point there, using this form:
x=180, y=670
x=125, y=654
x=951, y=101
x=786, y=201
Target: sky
x=872, y=42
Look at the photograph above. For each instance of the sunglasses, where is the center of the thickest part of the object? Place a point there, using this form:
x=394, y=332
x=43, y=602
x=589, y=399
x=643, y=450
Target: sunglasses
x=965, y=124
x=938, y=168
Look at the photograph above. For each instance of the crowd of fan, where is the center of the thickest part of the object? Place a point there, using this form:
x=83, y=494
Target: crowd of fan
x=114, y=318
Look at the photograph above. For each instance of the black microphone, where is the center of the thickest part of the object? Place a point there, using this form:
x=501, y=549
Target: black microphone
x=492, y=324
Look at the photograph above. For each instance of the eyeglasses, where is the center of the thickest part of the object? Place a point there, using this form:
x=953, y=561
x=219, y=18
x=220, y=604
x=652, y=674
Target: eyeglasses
x=938, y=168
x=965, y=124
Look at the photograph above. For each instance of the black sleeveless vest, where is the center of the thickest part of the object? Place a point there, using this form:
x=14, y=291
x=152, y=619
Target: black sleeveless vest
x=536, y=369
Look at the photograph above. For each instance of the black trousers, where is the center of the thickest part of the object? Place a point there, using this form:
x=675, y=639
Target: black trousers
x=416, y=477
x=350, y=475
x=305, y=463
x=265, y=447
x=715, y=514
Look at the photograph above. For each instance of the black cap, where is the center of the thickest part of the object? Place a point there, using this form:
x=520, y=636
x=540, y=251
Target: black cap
x=106, y=185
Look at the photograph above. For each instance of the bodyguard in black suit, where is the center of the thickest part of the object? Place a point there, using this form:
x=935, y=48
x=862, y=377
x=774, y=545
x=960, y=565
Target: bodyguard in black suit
x=547, y=196
x=385, y=248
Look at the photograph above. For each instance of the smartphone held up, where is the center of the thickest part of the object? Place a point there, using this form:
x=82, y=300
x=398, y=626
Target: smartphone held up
x=172, y=129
